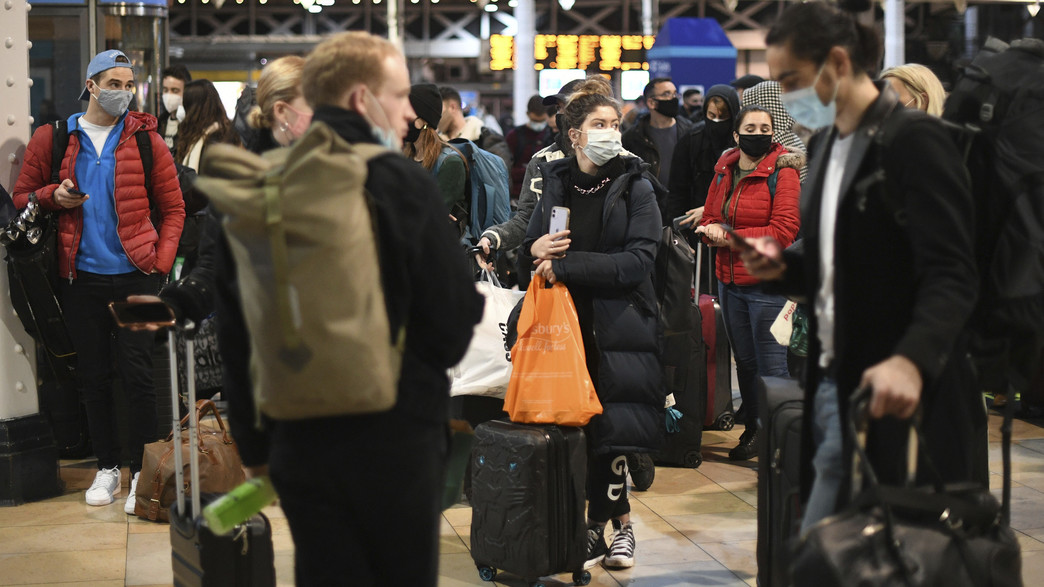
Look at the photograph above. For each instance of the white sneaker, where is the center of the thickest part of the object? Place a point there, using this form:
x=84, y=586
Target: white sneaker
x=106, y=484
x=131, y=497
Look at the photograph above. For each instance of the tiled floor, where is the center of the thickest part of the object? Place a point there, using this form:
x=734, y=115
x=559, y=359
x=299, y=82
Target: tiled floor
x=694, y=527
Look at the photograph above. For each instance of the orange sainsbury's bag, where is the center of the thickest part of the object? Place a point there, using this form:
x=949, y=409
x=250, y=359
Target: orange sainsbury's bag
x=549, y=379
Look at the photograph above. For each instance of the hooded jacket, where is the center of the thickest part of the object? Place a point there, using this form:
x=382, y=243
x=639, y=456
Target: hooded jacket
x=148, y=247
x=751, y=207
x=630, y=379
x=694, y=158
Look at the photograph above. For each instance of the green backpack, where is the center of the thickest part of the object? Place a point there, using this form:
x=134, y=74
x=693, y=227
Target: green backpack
x=301, y=229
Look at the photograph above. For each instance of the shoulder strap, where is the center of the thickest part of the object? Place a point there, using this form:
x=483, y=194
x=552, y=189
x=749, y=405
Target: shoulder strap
x=145, y=151
x=773, y=178
x=59, y=143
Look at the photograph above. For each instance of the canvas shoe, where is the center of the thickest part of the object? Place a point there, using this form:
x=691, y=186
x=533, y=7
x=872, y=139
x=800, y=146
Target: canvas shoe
x=621, y=551
x=132, y=495
x=106, y=484
x=595, y=545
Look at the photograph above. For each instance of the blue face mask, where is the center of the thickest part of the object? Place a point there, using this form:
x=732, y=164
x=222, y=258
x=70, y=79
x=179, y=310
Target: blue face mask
x=805, y=107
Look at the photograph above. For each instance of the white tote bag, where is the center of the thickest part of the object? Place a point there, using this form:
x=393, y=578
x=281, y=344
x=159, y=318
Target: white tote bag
x=486, y=367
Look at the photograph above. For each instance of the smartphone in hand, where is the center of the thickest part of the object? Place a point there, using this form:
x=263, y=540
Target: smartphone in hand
x=743, y=244
x=559, y=219
x=76, y=192
x=734, y=237
x=129, y=314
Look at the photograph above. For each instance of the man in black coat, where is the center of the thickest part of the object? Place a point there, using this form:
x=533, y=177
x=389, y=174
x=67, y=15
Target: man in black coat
x=657, y=132
x=887, y=261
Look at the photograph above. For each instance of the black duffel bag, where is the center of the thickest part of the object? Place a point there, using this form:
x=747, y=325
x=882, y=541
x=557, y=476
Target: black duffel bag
x=949, y=536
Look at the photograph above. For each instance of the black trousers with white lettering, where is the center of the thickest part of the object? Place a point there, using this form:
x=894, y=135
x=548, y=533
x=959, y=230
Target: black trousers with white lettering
x=607, y=486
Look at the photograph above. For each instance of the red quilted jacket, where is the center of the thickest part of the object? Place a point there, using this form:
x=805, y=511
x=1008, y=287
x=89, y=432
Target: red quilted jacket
x=147, y=248
x=752, y=210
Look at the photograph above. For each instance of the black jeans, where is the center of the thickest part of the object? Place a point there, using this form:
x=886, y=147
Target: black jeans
x=607, y=486
x=363, y=497
x=85, y=303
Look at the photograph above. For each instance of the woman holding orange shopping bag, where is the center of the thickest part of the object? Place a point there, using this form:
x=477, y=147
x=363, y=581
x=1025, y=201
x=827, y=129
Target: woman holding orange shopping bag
x=605, y=259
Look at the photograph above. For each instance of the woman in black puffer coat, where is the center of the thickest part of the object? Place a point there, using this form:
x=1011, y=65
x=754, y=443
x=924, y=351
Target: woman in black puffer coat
x=606, y=260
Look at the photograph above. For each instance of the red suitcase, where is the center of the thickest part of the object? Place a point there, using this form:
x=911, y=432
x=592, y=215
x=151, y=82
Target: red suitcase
x=719, y=414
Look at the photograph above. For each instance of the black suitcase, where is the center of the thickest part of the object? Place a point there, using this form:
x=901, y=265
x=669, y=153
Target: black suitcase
x=200, y=558
x=527, y=504
x=781, y=406
x=684, y=354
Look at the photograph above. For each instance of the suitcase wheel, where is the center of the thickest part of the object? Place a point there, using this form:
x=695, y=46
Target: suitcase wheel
x=487, y=573
x=581, y=577
x=725, y=422
x=693, y=459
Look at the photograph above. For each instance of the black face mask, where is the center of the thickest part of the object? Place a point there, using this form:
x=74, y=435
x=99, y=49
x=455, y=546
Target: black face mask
x=412, y=134
x=720, y=133
x=668, y=108
x=755, y=145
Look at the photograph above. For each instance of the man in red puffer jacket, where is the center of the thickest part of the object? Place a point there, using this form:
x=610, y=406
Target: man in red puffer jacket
x=108, y=249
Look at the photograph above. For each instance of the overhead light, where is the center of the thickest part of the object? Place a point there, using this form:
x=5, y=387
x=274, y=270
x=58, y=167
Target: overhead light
x=1033, y=9
x=325, y=3
x=513, y=3
x=315, y=9
x=491, y=8
x=566, y=4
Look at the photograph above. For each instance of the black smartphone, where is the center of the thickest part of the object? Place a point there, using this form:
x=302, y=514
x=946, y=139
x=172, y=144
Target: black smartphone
x=677, y=223
x=737, y=239
x=76, y=192
x=143, y=313
x=742, y=243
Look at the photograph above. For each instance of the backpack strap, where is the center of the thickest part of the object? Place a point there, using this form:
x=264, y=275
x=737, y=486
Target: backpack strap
x=59, y=143
x=773, y=178
x=145, y=151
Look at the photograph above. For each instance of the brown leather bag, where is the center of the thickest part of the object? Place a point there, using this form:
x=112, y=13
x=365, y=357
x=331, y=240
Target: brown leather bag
x=220, y=468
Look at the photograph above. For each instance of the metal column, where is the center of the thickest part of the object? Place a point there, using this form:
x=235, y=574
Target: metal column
x=895, y=33
x=525, y=76
x=17, y=354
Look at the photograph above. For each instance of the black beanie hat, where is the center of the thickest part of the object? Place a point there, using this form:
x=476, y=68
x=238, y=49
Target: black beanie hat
x=427, y=103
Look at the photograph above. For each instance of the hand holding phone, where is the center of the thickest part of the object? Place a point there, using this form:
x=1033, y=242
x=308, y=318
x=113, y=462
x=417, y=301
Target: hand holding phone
x=76, y=192
x=736, y=240
x=141, y=315
x=559, y=220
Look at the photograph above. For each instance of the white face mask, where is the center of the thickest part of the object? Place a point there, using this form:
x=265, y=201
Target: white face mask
x=537, y=126
x=805, y=107
x=171, y=102
x=602, y=145
x=180, y=114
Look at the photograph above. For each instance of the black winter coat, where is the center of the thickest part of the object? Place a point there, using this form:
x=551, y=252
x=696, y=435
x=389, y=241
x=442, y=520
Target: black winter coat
x=427, y=287
x=626, y=329
x=905, y=283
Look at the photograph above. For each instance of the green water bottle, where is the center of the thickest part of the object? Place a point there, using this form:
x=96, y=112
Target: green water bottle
x=236, y=506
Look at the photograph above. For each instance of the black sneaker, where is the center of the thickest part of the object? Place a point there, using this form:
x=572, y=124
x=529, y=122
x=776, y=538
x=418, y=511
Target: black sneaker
x=621, y=551
x=596, y=549
x=747, y=447
x=642, y=470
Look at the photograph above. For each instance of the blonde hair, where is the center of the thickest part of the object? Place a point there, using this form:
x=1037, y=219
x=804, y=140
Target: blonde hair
x=342, y=61
x=922, y=84
x=280, y=81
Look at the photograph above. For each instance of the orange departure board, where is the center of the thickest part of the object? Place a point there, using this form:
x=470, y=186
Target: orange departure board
x=587, y=52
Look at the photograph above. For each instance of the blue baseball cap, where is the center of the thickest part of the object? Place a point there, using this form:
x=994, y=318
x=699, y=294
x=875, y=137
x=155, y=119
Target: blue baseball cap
x=103, y=61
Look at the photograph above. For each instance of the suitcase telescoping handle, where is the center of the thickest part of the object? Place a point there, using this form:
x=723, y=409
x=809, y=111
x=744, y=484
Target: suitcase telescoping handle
x=699, y=267
x=190, y=384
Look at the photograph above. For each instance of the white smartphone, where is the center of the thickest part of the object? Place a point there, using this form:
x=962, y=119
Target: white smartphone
x=559, y=219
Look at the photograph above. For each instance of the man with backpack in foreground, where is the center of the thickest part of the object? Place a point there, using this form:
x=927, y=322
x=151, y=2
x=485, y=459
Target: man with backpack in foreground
x=384, y=302
x=102, y=187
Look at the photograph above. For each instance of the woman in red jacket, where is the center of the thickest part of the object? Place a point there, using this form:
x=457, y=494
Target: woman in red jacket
x=755, y=190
